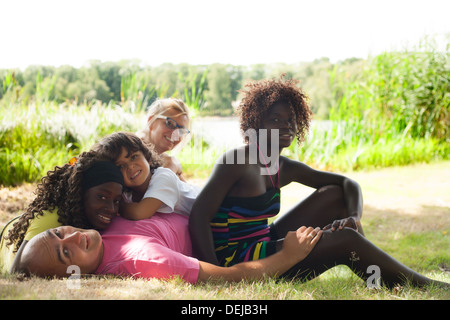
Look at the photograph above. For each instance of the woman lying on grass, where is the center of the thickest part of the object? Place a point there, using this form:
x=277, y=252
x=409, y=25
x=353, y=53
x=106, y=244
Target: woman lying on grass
x=159, y=247
x=229, y=220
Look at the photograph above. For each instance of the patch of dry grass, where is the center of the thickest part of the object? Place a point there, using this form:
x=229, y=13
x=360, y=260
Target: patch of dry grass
x=14, y=200
x=406, y=213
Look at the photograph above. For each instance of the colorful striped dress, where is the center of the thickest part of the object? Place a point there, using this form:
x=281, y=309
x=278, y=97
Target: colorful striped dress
x=240, y=228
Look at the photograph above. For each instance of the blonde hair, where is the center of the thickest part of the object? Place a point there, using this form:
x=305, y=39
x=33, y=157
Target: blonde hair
x=158, y=108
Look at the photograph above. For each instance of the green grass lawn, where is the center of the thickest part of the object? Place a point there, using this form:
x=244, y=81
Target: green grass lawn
x=411, y=226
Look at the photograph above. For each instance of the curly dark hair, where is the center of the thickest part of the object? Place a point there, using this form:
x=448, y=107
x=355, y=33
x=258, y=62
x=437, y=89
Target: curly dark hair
x=110, y=147
x=263, y=94
x=60, y=189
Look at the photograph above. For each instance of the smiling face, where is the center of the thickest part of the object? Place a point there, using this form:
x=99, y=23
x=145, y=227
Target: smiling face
x=101, y=204
x=51, y=252
x=135, y=170
x=280, y=117
x=161, y=136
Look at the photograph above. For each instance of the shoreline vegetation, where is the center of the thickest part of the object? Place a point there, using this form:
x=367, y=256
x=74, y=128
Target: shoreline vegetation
x=389, y=110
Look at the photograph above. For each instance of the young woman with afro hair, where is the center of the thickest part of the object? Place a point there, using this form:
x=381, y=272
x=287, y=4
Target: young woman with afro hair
x=229, y=220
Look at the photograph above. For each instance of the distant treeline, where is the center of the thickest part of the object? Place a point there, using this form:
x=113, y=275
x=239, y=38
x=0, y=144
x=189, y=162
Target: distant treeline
x=390, y=109
x=211, y=89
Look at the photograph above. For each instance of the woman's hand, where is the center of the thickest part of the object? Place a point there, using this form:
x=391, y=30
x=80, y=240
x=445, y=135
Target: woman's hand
x=173, y=164
x=298, y=244
x=296, y=247
x=349, y=222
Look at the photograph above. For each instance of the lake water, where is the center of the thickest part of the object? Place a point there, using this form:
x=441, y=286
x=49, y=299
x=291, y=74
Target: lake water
x=218, y=131
x=225, y=131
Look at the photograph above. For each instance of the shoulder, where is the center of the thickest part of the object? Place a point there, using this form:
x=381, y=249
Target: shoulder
x=163, y=176
x=171, y=163
x=230, y=171
x=168, y=160
x=237, y=158
x=293, y=170
x=162, y=171
x=233, y=163
x=288, y=165
x=42, y=222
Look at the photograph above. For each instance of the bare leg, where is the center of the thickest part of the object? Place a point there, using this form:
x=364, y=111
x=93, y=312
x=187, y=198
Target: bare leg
x=350, y=248
x=318, y=210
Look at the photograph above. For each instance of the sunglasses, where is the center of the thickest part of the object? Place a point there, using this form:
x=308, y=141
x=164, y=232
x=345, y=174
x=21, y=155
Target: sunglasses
x=173, y=125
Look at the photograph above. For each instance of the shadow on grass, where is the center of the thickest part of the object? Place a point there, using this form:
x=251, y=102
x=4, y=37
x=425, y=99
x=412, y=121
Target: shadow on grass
x=421, y=241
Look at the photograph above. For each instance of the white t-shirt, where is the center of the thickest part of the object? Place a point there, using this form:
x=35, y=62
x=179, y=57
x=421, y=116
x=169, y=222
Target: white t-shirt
x=177, y=196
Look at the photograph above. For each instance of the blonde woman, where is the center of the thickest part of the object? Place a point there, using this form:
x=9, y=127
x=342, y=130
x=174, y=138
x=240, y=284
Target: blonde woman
x=167, y=126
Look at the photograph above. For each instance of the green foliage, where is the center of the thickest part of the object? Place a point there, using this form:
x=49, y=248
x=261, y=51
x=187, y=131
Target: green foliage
x=392, y=109
x=135, y=88
x=36, y=137
x=406, y=93
x=218, y=94
x=193, y=89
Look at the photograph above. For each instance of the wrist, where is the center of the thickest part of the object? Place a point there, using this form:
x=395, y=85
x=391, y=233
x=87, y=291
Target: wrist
x=287, y=257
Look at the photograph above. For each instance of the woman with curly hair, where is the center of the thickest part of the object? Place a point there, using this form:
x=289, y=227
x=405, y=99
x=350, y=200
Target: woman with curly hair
x=84, y=193
x=229, y=220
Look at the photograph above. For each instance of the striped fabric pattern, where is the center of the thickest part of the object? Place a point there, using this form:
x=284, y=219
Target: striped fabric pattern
x=240, y=228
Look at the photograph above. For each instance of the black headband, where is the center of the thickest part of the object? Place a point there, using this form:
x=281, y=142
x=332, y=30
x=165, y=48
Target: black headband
x=101, y=172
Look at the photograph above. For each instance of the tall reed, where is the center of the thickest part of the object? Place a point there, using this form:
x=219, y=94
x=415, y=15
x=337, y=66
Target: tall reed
x=395, y=111
x=36, y=137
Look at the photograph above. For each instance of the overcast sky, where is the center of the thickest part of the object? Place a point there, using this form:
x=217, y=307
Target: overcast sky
x=239, y=32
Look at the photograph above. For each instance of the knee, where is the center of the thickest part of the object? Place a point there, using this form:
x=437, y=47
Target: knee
x=332, y=190
x=350, y=236
x=345, y=236
x=345, y=233
x=333, y=193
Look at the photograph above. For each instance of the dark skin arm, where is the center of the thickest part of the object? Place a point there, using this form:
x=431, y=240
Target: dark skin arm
x=245, y=180
x=295, y=171
x=296, y=247
x=220, y=182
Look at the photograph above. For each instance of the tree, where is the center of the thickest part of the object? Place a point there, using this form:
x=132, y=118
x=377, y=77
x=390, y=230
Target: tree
x=218, y=94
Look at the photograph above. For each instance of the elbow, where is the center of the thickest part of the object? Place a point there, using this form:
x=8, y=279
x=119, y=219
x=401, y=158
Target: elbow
x=350, y=186
x=351, y=183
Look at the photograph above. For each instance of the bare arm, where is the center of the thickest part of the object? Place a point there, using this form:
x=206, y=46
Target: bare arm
x=295, y=171
x=222, y=178
x=297, y=245
x=173, y=164
x=143, y=209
